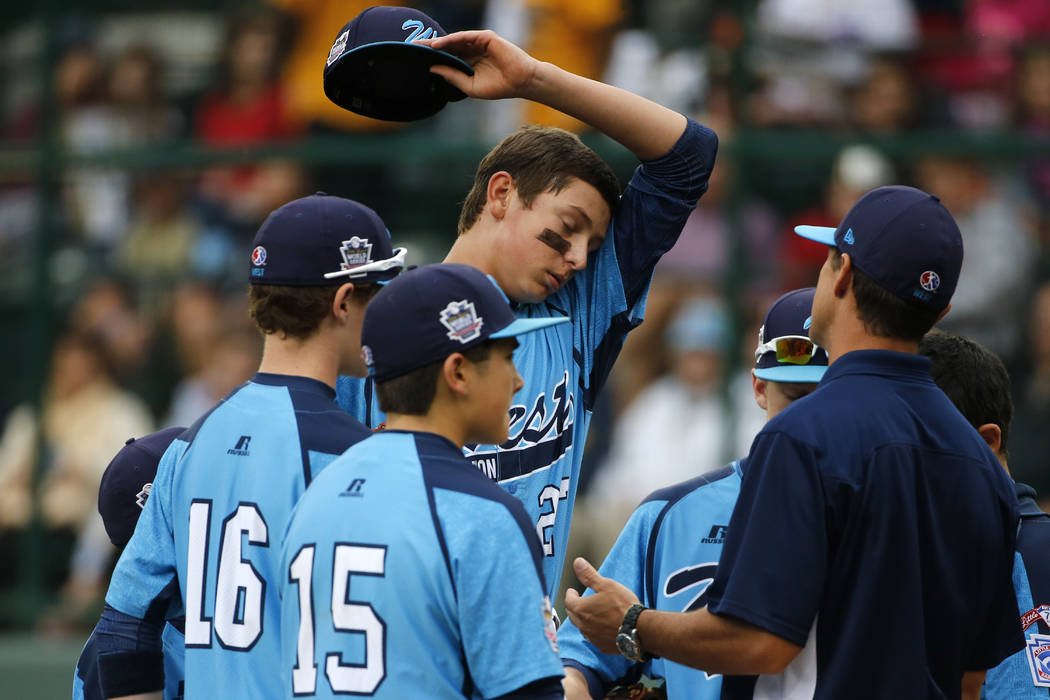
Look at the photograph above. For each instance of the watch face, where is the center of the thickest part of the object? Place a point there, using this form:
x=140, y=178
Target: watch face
x=627, y=646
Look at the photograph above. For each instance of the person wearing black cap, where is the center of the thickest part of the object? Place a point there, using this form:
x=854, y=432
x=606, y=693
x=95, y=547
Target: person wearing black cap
x=546, y=218
x=668, y=551
x=871, y=550
x=208, y=537
x=408, y=573
x=122, y=494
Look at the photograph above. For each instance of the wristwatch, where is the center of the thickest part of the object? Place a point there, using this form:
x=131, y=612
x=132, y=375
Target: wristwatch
x=627, y=640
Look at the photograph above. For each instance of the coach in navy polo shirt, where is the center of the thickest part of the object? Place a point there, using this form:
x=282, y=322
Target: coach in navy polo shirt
x=871, y=549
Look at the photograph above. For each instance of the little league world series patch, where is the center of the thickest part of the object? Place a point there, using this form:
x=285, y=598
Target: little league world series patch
x=1038, y=652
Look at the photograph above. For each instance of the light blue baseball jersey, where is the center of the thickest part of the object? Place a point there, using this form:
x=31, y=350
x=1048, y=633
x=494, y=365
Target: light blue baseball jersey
x=86, y=685
x=209, y=536
x=666, y=554
x=407, y=574
x=565, y=366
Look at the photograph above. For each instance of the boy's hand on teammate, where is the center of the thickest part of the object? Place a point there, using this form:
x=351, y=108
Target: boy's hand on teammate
x=501, y=69
x=598, y=616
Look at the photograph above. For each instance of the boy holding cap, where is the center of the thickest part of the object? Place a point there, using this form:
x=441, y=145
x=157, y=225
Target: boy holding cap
x=122, y=494
x=547, y=219
x=209, y=533
x=668, y=551
x=408, y=573
x=870, y=552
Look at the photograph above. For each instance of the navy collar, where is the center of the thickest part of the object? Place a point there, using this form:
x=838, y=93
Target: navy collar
x=883, y=363
x=1026, y=500
x=292, y=381
x=439, y=443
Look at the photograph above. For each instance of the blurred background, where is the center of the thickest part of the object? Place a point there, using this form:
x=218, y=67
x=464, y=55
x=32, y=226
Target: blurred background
x=140, y=150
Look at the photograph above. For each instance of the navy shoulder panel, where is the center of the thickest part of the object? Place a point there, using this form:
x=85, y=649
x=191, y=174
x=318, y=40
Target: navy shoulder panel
x=445, y=467
x=677, y=491
x=323, y=426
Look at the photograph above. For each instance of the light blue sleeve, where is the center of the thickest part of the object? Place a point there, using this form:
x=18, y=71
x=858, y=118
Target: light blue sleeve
x=356, y=396
x=625, y=563
x=504, y=614
x=1012, y=678
x=145, y=580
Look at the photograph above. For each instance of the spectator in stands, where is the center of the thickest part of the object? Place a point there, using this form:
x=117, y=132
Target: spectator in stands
x=1029, y=453
x=86, y=419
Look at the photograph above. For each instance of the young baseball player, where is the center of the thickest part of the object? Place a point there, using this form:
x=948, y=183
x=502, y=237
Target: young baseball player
x=668, y=551
x=546, y=219
x=408, y=573
x=870, y=551
x=978, y=384
x=210, y=533
x=122, y=494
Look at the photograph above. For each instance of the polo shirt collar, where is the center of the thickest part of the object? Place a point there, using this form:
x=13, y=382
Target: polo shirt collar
x=897, y=365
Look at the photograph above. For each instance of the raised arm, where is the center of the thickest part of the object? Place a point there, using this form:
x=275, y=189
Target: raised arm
x=502, y=70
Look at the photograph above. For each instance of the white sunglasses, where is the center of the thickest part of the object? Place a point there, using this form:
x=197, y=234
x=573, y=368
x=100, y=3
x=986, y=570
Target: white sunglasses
x=398, y=261
x=793, y=349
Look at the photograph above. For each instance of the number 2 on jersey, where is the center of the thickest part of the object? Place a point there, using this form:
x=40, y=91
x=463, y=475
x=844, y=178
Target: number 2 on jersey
x=347, y=616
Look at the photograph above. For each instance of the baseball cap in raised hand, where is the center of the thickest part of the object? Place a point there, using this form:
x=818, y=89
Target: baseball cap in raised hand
x=374, y=67
x=904, y=239
x=785, y=353
x=430, y=312
x=322, y=240
x=127, y=481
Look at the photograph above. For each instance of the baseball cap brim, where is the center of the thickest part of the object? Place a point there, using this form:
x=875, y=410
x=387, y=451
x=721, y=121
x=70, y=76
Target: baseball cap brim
x=528, y=325
x=820, y=234
x=801, y=374
x=391, y=80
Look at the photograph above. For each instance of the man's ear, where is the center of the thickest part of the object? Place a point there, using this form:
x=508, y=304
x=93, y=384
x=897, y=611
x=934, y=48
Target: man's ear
x=342, y=301
x=456, y=373
x=843, y=277
x=758, y=386
x=498, y=194
x=993, y=435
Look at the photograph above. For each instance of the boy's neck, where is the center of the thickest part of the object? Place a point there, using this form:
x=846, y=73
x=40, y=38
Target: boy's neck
x=469, y=249
x=316, y=357
x=434, y=421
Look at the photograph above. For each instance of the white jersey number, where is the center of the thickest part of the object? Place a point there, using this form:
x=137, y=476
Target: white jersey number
x=554, y=494
x=239, y=588
x=347, y=616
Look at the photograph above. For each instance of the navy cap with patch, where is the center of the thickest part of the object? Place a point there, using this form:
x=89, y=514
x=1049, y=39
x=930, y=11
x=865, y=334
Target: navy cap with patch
x=127, y=481
x=904, y=239
x=374, y=67
x=789, y=317
x=430, y=312
x=322, y=240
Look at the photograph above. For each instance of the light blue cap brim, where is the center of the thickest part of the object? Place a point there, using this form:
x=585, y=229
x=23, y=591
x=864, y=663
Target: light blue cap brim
x=528, y=325
x=800, y=374
x=820, y=234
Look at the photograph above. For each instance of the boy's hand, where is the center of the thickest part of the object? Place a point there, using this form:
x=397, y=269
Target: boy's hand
x=501, y=69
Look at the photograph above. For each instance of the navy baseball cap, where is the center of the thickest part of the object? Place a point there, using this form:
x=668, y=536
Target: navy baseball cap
x=430, y=312
x=784, y=352
x=322, y=240
x=904, y=240
x=127, y=481
x=374, y=67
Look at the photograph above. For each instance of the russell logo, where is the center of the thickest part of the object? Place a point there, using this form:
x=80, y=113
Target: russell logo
x=848, y=238
x=259, y=256
x=930, y=280
x=807, y=323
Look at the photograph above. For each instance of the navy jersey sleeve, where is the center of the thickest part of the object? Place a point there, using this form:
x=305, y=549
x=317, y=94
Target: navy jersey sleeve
x=772, y=569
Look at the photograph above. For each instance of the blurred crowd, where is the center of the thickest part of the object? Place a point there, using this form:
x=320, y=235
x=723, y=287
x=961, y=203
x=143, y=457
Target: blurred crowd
x=148, y=263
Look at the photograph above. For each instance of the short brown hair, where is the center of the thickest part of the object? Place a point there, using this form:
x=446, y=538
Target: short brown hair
x=296, y=312
x=412, y=394
x=540, y=159
x=882, y=312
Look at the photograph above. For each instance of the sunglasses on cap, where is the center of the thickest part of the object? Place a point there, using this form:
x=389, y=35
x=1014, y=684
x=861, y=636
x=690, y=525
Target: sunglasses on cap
x=792, y=349
x=398, y=261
